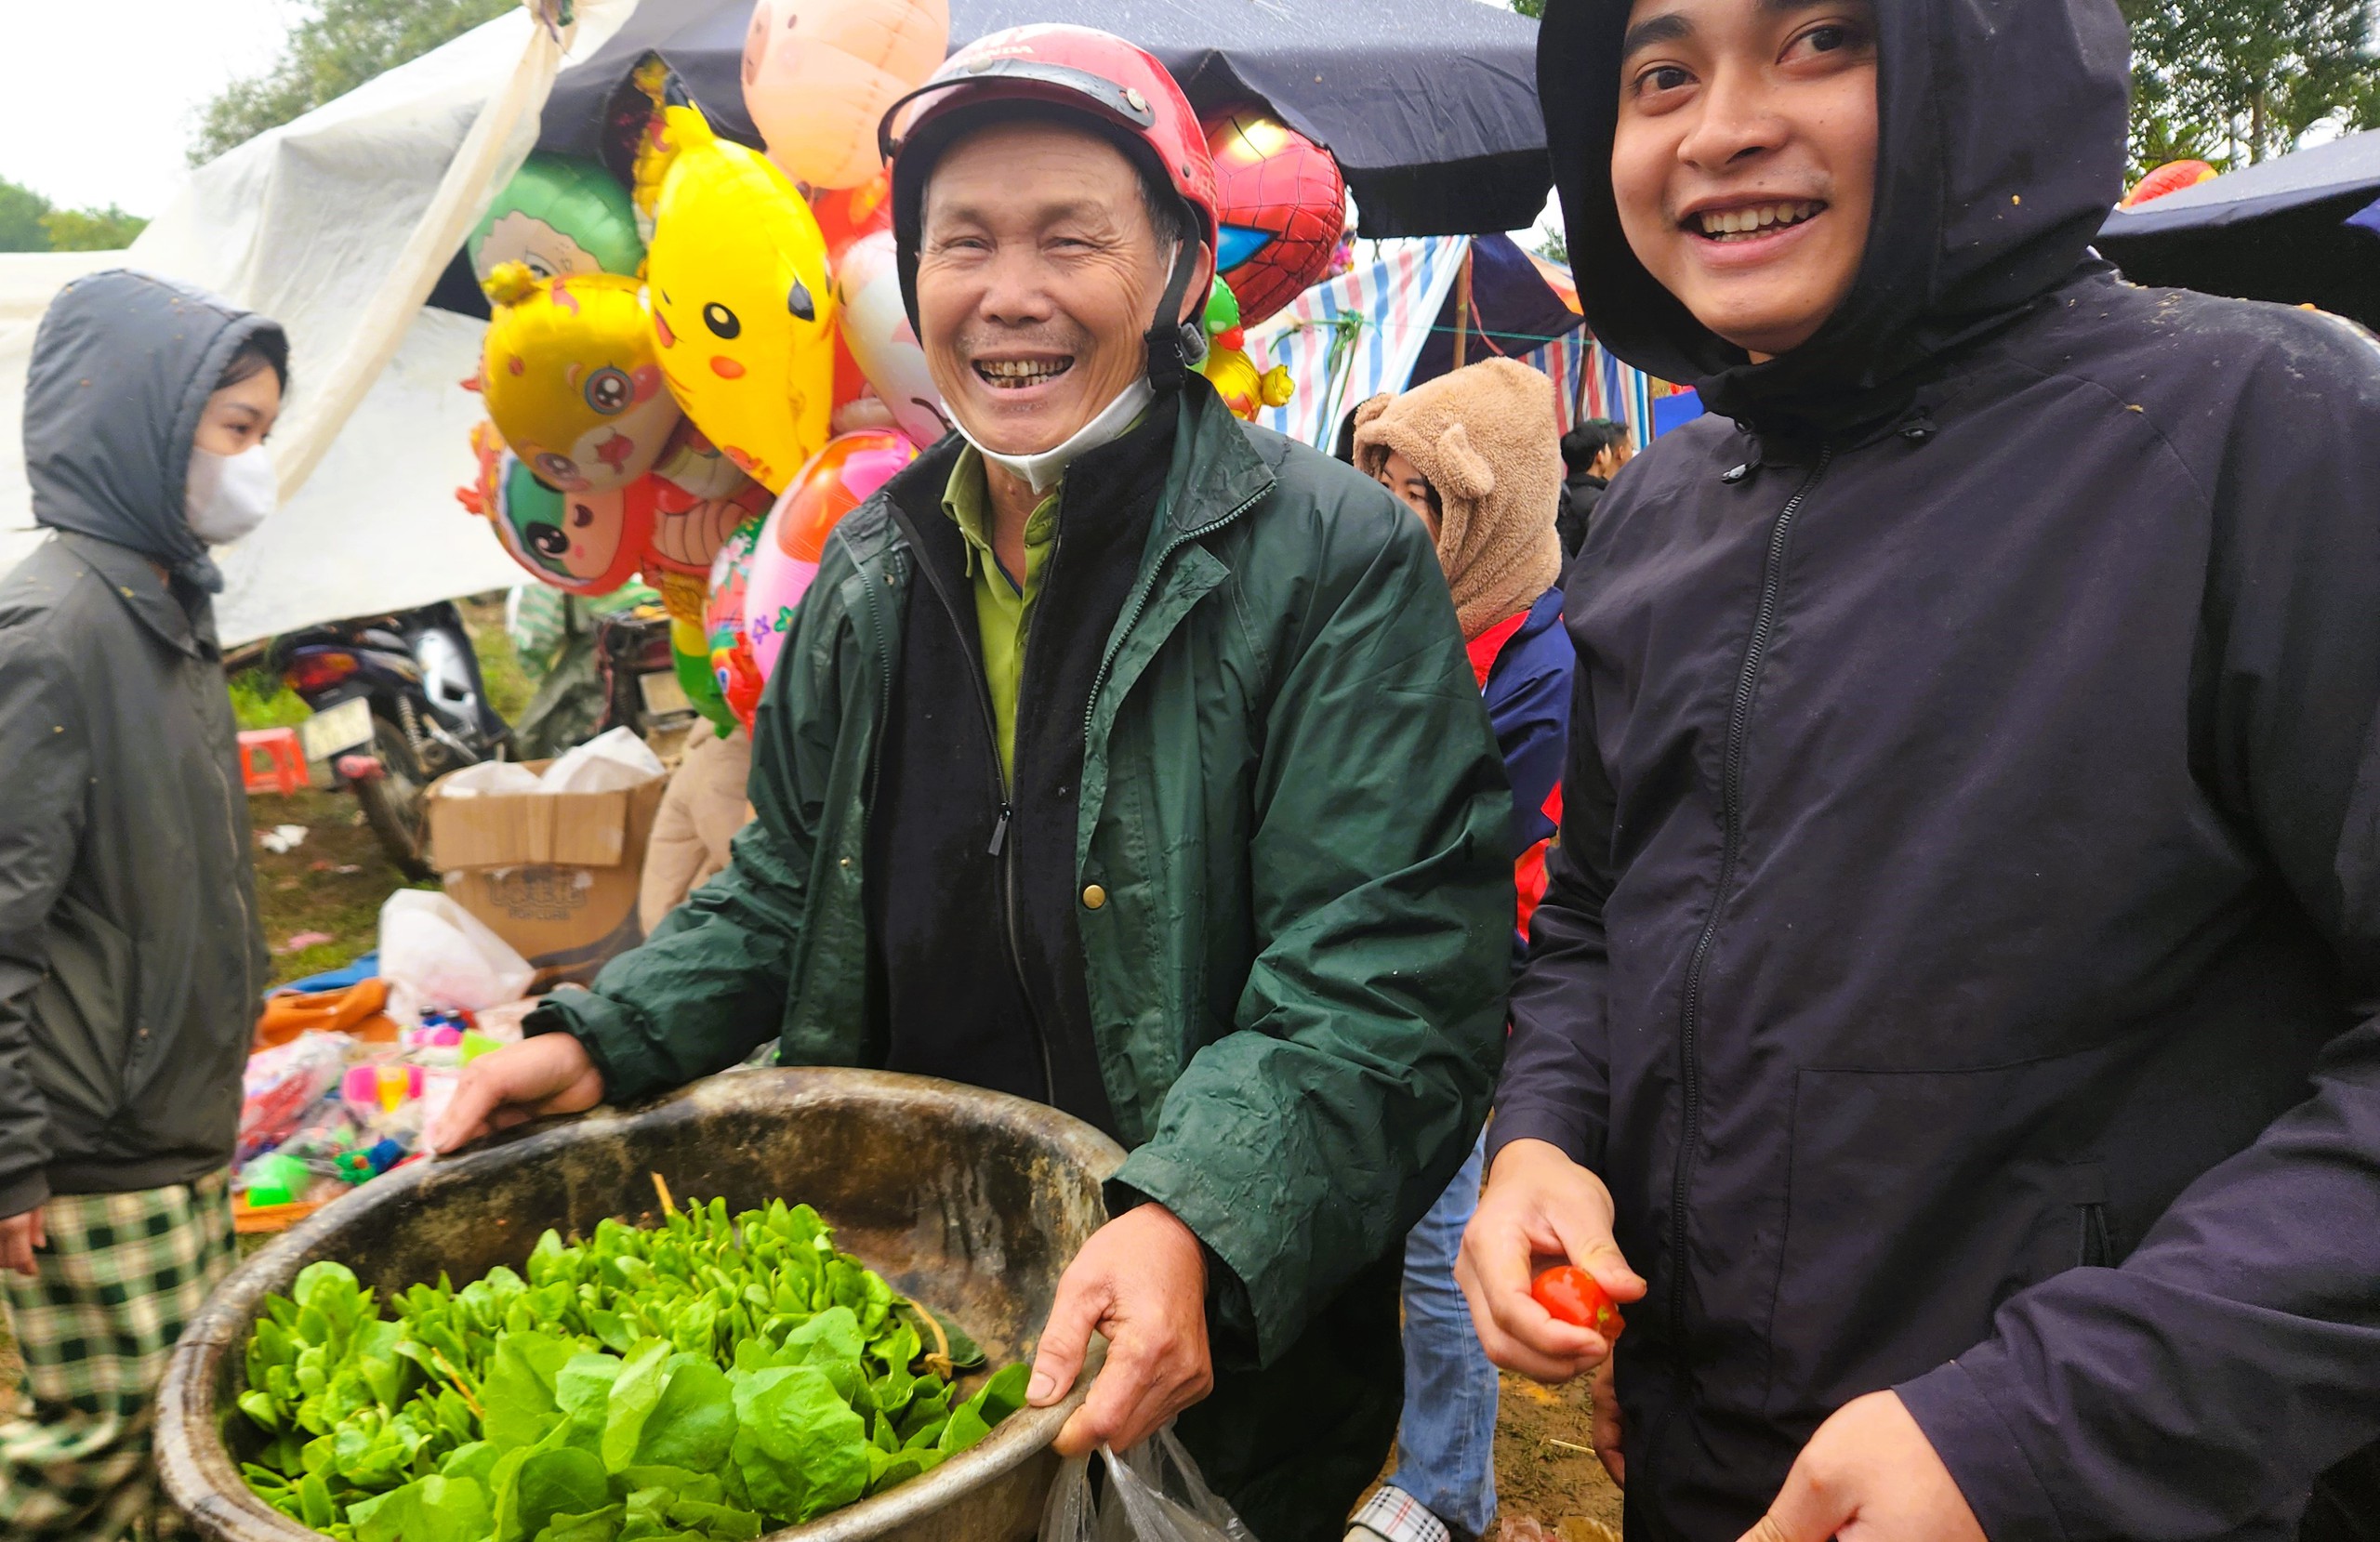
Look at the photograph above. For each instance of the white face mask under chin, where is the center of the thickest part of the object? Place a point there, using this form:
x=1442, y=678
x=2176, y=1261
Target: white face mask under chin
x=1044, y=471
x=226, y=497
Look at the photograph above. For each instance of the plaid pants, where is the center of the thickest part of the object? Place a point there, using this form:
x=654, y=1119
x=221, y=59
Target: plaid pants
x=121, y=1276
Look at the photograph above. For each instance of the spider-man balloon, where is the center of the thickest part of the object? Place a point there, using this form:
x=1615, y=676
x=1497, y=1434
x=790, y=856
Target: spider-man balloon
x=1282, y=204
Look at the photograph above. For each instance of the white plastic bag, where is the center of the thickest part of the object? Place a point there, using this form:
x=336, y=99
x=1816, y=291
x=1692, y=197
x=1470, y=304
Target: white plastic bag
x=607, y=763
x=1154, y=1495
x=434, y=954
x=490, y=776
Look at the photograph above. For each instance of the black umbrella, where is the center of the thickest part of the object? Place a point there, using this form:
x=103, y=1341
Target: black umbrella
x=1429, y=106
x=2293, y=228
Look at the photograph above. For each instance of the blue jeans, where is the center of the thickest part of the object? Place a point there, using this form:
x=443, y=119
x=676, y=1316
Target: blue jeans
x=1446, y=1448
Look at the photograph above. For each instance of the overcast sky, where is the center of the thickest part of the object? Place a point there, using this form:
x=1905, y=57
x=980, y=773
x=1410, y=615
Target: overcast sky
x=104, y=93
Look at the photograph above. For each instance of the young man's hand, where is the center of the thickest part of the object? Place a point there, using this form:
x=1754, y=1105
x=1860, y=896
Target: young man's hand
x=1539, y=1207
x=550, y=1073
x=20, y=1235
x=1141, y=1282
x=1869, y=1475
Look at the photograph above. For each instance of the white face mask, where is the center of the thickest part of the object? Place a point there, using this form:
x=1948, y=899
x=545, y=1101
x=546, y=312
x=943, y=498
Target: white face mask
x=226, y=497
x=1045, y=470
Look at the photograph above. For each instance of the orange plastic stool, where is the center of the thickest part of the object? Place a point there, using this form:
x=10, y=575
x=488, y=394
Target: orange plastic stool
x=271, y=760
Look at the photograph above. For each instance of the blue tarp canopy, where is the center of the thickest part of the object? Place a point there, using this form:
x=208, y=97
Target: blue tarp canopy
x=2297, y=229
x=1430, y=105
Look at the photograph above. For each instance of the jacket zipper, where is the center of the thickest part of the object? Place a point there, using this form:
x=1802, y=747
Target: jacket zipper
x=999, y=849
x=1141, y=598
x=1731, y=779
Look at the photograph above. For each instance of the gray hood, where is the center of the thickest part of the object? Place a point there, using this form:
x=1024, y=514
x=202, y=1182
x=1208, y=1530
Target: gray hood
x=121, y=370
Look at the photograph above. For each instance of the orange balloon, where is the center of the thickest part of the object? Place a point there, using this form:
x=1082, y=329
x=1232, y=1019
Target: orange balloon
x=838, y=480
x=2173, y=177
x=847, y=214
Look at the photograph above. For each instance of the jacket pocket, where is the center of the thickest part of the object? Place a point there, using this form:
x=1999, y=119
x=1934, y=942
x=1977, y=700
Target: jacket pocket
x=84, y=1011
x=1917, y=1202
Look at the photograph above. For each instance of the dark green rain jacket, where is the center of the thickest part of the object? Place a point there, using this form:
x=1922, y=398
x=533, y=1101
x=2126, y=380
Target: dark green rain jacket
x=1292, y=798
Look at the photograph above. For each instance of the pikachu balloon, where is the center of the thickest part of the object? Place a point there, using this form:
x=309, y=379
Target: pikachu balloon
x=743, y=307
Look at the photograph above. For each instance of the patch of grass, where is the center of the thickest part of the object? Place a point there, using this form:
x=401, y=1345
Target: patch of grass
x=508, y=687
x=259, y=699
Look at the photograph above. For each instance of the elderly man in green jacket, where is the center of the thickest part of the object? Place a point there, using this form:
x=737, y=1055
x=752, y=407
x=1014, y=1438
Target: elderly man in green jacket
x=1125, y=758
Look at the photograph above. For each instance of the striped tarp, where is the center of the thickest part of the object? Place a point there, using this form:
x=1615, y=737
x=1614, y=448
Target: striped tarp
x=1357, y=335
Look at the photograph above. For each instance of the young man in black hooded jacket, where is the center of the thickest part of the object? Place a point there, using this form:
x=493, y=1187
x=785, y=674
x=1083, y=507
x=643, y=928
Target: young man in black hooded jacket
x=1956, y=991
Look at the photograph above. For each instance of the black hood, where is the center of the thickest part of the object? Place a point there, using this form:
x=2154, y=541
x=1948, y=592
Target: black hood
x=121, y=370
x=2001, y=150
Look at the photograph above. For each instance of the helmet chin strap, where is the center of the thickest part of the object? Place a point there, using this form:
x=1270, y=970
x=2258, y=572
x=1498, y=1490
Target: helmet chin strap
x=1174, y=345
x=1170, y=360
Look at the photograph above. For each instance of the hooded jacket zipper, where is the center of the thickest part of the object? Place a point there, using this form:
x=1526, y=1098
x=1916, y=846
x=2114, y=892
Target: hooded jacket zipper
x=1731, y=799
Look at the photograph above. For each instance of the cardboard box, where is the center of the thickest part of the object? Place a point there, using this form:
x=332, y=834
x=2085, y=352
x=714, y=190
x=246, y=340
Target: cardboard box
x=553, y=874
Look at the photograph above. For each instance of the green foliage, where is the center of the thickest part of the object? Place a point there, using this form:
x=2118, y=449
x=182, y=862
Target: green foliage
x=705, y=1380
x=260, y=699
x=29, y=222
x=20, y=215
x=107, y=230
x=1533, y=10
x=1555, y=247
x=338, y=47
x=2242, y=80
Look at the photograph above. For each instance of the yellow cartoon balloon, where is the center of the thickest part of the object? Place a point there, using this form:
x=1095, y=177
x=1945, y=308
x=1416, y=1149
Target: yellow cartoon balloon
x=570, y=377
x=743, y=309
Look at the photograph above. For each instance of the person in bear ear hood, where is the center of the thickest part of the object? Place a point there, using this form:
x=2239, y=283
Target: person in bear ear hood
x=1955, y=991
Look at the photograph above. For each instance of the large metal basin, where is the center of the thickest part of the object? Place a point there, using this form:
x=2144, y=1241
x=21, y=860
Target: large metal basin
x=971, y=1201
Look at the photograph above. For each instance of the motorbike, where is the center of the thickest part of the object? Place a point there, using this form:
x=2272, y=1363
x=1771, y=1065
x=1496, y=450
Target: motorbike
x=642, y=690
x=398, y=703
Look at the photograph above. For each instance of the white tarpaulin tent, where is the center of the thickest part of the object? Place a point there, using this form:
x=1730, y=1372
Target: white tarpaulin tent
x=336, y=225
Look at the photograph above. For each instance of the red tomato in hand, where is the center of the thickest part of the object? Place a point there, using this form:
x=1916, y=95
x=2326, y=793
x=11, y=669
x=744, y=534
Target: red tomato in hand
x=1571, y=1295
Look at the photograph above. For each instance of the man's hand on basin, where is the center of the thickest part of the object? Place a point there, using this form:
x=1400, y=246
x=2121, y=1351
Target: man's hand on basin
x=1141, y=1282
x=550, y=1073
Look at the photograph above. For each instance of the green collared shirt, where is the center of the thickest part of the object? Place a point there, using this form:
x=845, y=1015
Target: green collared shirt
x=1003, y=607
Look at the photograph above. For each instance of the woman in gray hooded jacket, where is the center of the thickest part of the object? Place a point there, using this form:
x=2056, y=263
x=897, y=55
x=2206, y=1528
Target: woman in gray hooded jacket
x=130, y=955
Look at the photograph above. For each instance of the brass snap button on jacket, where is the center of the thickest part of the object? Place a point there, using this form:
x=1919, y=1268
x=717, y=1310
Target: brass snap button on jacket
x=1093, y=897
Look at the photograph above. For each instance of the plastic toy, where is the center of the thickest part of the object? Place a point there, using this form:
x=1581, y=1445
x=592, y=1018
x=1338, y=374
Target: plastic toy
x=835, y=482
x=276, y=1179
x=570, y=379
x=743, y=307
x=875, y=328
x=817, y=78
x=1229, y=367
x=1282, y=207
x=586, y=542
x=558, y=215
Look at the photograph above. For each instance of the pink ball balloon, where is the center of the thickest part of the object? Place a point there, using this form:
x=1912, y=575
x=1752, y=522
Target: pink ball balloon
x=838, y=478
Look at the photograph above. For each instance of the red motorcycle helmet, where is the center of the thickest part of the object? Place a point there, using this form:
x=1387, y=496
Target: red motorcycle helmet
x=1081, y=70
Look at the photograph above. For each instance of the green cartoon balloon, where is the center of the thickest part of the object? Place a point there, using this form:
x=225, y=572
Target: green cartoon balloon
x=558, y=215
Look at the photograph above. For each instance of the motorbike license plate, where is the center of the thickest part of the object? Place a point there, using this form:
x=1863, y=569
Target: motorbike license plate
x=663, y=695
x=337, y=729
